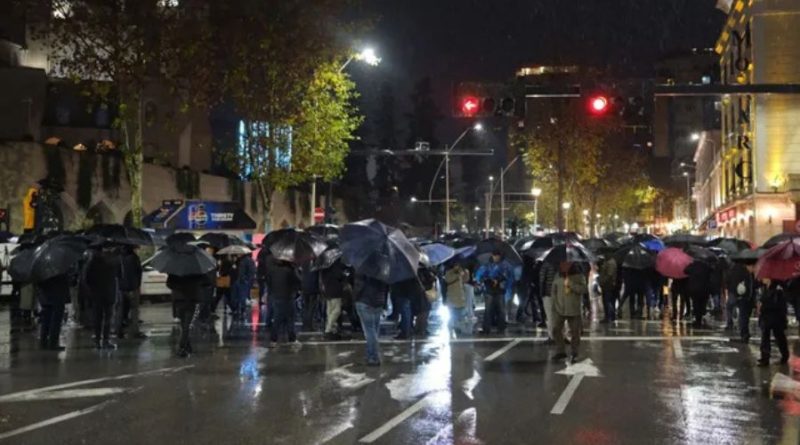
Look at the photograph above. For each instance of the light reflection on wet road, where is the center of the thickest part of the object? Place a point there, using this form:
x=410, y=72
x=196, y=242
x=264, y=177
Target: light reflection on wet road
x=651, y=389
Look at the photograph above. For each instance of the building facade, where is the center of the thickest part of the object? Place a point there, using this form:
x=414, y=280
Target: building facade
x=748, y=181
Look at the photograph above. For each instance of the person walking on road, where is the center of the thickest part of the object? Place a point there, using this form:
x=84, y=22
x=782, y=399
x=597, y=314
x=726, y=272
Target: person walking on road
x=187, y=291
x=494, y=277
x=333, y=283
x=607, y=279
x=370, y=297
x=53, y=297
x=241, y=287
x=283, y=283
x=742, y=287
x=547, y=275
x=567, y=293
x=402, y=294
x=772, y=319
x=310, y=294
x=101, y=277
x=698, y=288
x=455, y=278
x=130, y=282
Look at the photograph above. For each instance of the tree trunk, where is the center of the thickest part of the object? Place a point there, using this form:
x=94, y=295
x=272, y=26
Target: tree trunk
x=266, y=203
x=560, y=189
x=132, y=125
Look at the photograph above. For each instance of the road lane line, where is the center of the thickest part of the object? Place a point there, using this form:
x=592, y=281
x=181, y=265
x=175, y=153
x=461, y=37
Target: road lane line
x=677, y=348
x=563, y=401
x=54, y=420
x=393, y=422
x=502, y=350
x=16, y=395
x=67, y=394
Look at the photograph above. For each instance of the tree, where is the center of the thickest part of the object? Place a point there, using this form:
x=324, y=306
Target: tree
x=115, y=49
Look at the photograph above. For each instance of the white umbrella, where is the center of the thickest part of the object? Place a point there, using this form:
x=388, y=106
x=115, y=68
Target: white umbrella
x=234, y=250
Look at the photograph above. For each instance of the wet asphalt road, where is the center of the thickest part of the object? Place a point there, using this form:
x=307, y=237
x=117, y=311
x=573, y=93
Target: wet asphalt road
x=640, y=383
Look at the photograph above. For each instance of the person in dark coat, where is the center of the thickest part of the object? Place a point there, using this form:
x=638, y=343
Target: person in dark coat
x=333, y=283
x=742, y=287
x=130, y=282
x=773, y=320
x=677, y=291
x=402, y=294
x=370, y=297
x=420, y=305
x=310, y=294
x=698, y=288
x=283, y=283
x=187, y=291
x=53, y=297
x=101, y=277
x=636, y=286
x=245, y=277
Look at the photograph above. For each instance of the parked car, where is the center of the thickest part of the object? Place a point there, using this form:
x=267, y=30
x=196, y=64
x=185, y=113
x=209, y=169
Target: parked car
x=5, y=258
x=154, y=283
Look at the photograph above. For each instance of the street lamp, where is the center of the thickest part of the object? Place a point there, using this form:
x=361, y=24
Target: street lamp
x=566, y=206
x=695, y=136
x=688, y=197
x=536, y=192
x=367, y=55
x=413, y=199
x=446, y=162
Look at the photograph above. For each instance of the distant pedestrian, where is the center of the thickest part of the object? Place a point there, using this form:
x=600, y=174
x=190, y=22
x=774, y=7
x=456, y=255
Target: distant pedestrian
x=53, y=297
x=283, y=282
x=567, y=293
x=456, y=277
x=424, y=295
x=241, y=287
x=698, y=286
x=547, y=274
x=370, y=297
x=402, y=294
x=333, y=283
x=607, y=279
x=130, y=282
x=773, y=320
x=679, y=294
x=494, y=277
x=187, y=292
x=101, y=277
x=310, y=294
x=742, y=287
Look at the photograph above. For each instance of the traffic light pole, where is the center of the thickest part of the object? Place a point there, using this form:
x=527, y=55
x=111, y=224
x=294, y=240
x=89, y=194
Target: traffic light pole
x=447, y=191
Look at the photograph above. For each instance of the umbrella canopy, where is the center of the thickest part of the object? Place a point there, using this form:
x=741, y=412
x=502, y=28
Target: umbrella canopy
x=730, y=245
x=571, y=253
x=327, y=258
x=294, y=246
x=650, y=242
x=492, y=245
x=779, y=238
x=781, y=262
x=119, y=234
x=183, y=260
x=462, y=242
x=328, y=232
x=671, y=262
x=681, y=240
x=438, y=253
x=219, y=240
x=637, y=257
x=235, y=250
x=465, y=252
x=596, y=244
x=749, y=256
x=379, y=251
x=615, y=236
x=700, y=253
x=180, y=238
x=55, y=256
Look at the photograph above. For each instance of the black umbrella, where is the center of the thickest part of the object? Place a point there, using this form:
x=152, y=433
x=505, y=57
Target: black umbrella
x=636, y=257
x=55, y=256
x=730, y=245
x=563, y=237
x=328, y=232
x=294, y=246
x=597, y=244
x=183, y=260
x=492, y=245
x=379, y=251
x=327, y=258
x=779, y=238
x=684, y=239
x=700, y=253
x=458, y=243
x=615, y=236
x=748, y=256
x=119, y=234
x=219, y=240
x=570, y=252
x=180, y=238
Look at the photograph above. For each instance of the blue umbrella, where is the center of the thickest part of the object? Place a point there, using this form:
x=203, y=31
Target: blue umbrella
x=379, y=251
x=438, y=253
x=654, y=245
x=465, y=252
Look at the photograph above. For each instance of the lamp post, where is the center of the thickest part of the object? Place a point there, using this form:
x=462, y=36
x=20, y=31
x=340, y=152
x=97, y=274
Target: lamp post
x=566, y=206
x=688, y=197
x=446, y=163
x=488, y=213
x=536, y=192
x=367, y=55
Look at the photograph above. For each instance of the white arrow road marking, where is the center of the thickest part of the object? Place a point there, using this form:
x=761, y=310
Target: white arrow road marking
x=57, y=419
x=784, y=385
x=393, y=422
x=502, y=350
x=578, y=371
x=67, y=394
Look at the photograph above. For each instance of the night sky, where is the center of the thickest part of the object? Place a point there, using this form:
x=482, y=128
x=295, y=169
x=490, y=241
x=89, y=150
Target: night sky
x=456, y=40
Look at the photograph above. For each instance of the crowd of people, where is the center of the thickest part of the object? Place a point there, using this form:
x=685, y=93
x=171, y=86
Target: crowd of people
x=557, y=296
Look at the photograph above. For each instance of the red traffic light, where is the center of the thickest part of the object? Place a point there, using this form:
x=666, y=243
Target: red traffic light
x=598, y=104
x=470, y=105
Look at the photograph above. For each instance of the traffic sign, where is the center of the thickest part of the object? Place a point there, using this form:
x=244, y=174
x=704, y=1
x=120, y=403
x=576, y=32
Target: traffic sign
x=319, y=214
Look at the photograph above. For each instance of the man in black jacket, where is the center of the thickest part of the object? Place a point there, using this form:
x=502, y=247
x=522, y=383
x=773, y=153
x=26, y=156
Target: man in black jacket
x=773, y=320
x=130, y=282
x=187, y=291
x=333, y=282
x=283, y=284
x=101, y=272
x=742, y=287
x=370, y=296
x=53, y=296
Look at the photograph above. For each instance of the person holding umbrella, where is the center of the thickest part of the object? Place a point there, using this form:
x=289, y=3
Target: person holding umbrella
x=698, y=288
x=53, y=297
x=101, y=277
x=455, y=278
x=130, y=280
x=370, y=295
x=246, y=275
x=283, y=283
x=772, y=319
x=494, y=277
x=567, y=293
x=742, y=286
x=333, y=286
x=607, y=278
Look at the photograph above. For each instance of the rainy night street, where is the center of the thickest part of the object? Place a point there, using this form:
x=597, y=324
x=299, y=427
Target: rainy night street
x=636, y=382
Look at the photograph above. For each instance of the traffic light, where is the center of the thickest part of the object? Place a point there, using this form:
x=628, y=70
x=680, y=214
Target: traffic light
x=483, y=99
x=470, y=106
x=599, y=104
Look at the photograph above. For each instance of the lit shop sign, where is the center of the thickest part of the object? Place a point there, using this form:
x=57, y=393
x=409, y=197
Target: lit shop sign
x=200, y=215
x=726, y=215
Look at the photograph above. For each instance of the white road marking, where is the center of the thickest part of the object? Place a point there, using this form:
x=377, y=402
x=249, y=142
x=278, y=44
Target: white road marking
x=585, y=368
x=677, y=348
x=393, y=422
x=54, y=420
x=67, y=394
x=520, y=339
x=19, y=394
x=502, y=350
x=563, y=401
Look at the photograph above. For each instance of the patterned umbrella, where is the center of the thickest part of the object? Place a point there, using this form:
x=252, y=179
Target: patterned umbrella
x=781, y=262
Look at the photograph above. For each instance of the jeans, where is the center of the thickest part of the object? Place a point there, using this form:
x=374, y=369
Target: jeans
x=185, y=315
x=494, y=311
x=333, y=310
x=609, y=302
x=403, y=309
x=730, y=311
x=310, y=307
x=457, y=318
x=51, y=317
x=283, y=319
x=103, y=316
x=371, y=324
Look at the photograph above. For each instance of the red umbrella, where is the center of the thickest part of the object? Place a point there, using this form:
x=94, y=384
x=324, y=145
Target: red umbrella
x=671, y=262
x=781, y=262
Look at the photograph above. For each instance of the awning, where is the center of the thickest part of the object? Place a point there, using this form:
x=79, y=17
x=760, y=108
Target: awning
x=178, y=214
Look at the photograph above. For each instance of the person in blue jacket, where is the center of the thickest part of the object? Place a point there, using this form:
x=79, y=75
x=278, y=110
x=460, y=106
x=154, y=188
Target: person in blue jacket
x=495, y=277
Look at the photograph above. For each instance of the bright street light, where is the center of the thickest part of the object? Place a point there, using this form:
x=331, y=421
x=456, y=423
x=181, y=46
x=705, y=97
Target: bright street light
x=566, y=205
x=368, y=56
x=585, y=212
x=478, y=127
x=536, y=192
x=616, y=216
x=695, y=137
x=477, y=209
x=413, y=199
x=686, y=174
x=491, y=178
